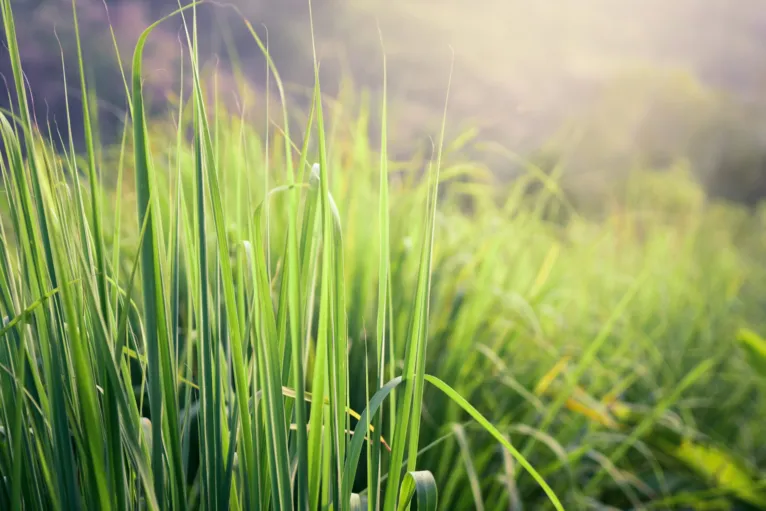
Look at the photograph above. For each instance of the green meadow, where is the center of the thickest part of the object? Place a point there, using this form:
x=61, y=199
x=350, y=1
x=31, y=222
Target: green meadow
x=215, y=313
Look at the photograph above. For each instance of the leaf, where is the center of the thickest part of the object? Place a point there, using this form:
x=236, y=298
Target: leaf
x=420, y=484
x=718, y=466
x=478, y=417
x=755, y=349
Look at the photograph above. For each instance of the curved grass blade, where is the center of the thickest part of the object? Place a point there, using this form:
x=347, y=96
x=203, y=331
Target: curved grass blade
x=355, y=448
x=754, y=347
x=478, y=417
x=161, y=380
x=422, y=485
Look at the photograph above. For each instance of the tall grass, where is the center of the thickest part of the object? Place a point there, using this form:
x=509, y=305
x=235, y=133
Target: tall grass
x=267, y=332
x=229, y=385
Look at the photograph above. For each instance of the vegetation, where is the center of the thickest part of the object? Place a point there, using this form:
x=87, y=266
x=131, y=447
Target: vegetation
x=204, y=318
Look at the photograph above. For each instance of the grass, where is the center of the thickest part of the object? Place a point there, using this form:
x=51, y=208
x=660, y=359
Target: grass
x=233, y=326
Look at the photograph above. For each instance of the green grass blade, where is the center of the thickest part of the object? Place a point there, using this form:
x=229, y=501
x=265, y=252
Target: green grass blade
x=161, y=386
x=473, y=479
x=422, y=485
x=384, y=275
x=408, y=416
x=324, y=460
x=96, y=211
x=754, y=347
x=355, y=448
x=478, y=417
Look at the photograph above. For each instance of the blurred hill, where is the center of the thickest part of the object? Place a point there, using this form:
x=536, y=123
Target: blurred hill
x=603, y=86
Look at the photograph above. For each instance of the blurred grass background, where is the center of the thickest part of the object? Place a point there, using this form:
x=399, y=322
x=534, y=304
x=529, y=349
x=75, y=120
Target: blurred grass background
x=598, y=85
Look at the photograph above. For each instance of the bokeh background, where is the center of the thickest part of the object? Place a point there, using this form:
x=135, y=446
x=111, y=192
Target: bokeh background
x=598, y=86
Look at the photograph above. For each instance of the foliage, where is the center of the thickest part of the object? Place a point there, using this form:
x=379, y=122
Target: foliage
x=267, y=333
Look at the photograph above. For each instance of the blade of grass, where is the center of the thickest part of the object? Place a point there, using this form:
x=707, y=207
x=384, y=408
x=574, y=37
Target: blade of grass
x=161, y=382
x=408, y=423
x=478, y=417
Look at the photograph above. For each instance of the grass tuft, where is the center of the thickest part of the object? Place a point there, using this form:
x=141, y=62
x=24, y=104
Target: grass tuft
x=297, y=321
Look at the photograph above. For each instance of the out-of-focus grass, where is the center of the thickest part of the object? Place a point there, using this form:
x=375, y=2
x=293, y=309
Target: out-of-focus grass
x=601, y=354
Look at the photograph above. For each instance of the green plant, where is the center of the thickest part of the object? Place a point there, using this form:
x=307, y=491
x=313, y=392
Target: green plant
x=256, y=337
x=234, y=372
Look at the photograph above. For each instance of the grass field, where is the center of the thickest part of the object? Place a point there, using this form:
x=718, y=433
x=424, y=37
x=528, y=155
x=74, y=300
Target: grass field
x=208, y=318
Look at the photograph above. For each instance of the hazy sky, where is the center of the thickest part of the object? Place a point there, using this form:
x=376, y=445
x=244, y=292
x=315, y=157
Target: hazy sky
x=536, y=50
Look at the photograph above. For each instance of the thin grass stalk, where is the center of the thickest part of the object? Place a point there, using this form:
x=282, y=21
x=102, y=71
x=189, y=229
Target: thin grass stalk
x=162, y=395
